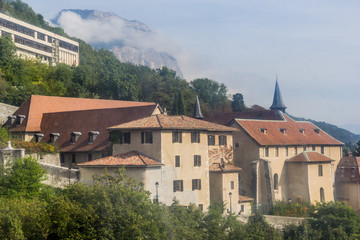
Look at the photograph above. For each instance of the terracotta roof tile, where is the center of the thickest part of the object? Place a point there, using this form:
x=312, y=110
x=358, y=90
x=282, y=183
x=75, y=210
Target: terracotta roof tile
x=35, y=106
x=267, y=132
x=309, y=157
x=219, y=167
x=132, y=158
x=245, y=198
x=172, y=122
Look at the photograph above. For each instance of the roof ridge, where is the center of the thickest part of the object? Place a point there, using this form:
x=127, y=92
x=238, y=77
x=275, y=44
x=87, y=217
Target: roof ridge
x=157, y=118
x=306, y=156
x=139, y=155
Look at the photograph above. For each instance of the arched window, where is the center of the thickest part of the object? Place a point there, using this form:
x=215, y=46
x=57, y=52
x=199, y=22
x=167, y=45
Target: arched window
x=322, y=195
x=276, y=181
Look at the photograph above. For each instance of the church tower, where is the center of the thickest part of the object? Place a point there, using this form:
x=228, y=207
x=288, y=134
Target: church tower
x=278, y=103
x=197, y=110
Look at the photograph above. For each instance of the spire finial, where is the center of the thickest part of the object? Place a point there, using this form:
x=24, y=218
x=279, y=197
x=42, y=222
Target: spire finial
x=197, y=110
x=278, y=103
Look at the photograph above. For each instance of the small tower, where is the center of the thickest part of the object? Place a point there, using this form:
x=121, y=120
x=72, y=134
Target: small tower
x=197, y=110
x=278, y=103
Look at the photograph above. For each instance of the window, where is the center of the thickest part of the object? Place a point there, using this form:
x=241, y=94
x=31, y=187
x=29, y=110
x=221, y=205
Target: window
x=201, y=206
x=54, y=137
x=222, y=140
x=195, y=137
x=322, y=195
x=177, y=137
x=242, y=208
x=263, y=130
x=276, y=181
x=232, y=185
x=62, y=158
x=276, y=151
x=177, y=161
x=304, y=148
x=92, y=136
x=317, y=130
x=211, y=140
x=127, y=138
x=313, y=147
x=320, y=170
x=73, y=158
x=302, y=130
x=196, y=184
x=38, y=137
x=287, y=151
x=19, y=119
x=322, y=149
x=352, y=172
x=75, y=136
x=197, y=160
x=89, y=157
x=283, y=130
x=342, y=171
x=266, y=151
x=295, y=150
x=178, y=185
x=146, y=137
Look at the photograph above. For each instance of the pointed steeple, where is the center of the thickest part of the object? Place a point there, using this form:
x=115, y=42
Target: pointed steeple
x=197, y=110
x=278, y=103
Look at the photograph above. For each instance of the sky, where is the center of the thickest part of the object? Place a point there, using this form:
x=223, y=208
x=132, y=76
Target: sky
x=312, y=46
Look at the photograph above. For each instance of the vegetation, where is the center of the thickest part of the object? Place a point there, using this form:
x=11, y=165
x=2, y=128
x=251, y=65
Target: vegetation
x=294, y=209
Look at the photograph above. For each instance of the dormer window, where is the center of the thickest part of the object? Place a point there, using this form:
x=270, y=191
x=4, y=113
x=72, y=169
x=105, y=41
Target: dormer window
x=38, y=137
x=263, y=130
x=282, y=130
x=342, y=171
x=54, y=137
x=75, y=136
x=302, y=131
x=317, y=130
x=93, y=135
x=11, y=120
x=352, y=172
x=19, y=119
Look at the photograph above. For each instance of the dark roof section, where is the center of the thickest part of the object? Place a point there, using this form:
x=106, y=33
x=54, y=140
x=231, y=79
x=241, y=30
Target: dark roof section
x=173, y=122
x=348, y=170
x=310, y=157
x=129, y=159
x=225, y=118
x=278, y=103
x=86, y=121
x=197, y=109
x=35, y=106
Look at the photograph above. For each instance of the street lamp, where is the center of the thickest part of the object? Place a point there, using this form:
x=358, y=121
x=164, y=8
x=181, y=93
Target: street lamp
x=157, y=192
x=230, y=194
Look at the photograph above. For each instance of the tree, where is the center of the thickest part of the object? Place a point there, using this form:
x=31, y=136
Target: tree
x=237, y=103
x=356, y=152
x=179, y=105
x=258, y=228
x=22, y=179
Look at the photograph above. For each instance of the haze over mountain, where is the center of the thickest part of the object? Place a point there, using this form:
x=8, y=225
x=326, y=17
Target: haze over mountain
x=130, y=41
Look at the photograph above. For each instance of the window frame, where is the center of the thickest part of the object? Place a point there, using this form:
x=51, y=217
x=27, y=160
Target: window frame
x=177, y=161
x=320, y=170
x=195, y=136
x=222, y=140
x=211, y=140
x=197, y=160
x=147, y=137
x=178, y=186
x=177, y=136
x=196, y=184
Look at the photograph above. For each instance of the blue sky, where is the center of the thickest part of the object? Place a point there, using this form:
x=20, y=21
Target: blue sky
x=313, y=47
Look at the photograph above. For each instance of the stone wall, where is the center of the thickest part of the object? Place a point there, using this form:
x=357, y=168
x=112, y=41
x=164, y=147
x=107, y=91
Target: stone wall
x=5, y=111
x=281, y=221
x=60, y=176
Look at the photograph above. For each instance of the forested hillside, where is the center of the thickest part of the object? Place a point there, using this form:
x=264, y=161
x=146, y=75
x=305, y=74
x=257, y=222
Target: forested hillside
x=99, y=75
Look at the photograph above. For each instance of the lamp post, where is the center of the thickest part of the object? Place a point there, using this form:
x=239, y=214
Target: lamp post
x=157, y=192
x=230, y=194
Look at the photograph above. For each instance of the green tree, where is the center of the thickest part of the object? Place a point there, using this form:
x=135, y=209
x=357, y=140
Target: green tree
x=237, y=103
x=22, y=179
x=179, y=104
x=257, y=228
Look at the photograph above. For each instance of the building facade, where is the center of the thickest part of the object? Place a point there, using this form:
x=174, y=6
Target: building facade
x=187, y=151
x=35, y=42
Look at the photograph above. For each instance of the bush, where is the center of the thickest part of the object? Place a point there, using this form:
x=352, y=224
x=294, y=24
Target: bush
x=296, y=209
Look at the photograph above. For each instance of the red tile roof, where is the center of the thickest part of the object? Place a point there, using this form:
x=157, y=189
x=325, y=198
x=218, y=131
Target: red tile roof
x=35, y=106
x=129, y=159
x=172, y=122
x=219, y=167
x=309, y=157
x=245, y=198
x=98, y=120
x=348, y=170
x=271, y=134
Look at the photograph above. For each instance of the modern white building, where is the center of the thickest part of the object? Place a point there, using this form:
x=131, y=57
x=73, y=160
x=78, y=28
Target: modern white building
x=35, y=42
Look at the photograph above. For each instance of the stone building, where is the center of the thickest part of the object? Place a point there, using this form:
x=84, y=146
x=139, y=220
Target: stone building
x=175, y=157
x=348, y=181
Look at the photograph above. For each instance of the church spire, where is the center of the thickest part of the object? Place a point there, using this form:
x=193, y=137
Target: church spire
x=278, y=103
x=197, y=110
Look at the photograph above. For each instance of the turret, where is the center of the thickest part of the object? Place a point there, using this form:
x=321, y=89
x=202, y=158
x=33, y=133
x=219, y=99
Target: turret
x=278, y=103
x=197, y=110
